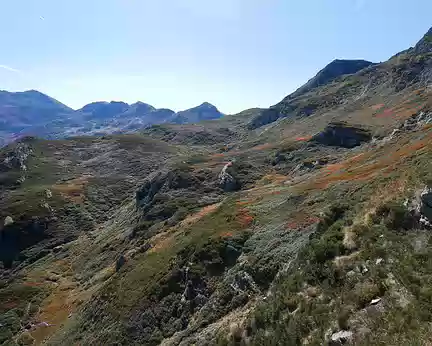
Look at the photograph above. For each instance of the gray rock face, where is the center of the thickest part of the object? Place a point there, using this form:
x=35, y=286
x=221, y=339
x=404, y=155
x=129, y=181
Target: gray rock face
x=426, y=203
x=425, y=44
x=417, y=121
x=341, y=338
x=342, y=135
x=332, y=71
x=266, y=116
x=226, y=180
x=17, y=159
x=121, y=261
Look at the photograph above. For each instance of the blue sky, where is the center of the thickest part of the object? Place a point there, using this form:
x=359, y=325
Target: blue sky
x=236, y=54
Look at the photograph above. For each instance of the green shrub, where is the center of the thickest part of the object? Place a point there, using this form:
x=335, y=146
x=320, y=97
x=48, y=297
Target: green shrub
x=394, y=216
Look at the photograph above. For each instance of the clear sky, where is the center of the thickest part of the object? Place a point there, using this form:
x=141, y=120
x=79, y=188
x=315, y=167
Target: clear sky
x=236, y=54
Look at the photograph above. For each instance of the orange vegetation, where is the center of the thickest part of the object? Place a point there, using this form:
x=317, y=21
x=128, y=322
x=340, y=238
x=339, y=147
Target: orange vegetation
x=263, y=146
x=346, y=171
x=302, y=221
x=378, y=106
x=58, y=306
x=164, y=240
x=226, y=235
x=303, y=139
x=73, y=189
x=274, y=178
x=191, y=219
x=245, y=218
x=217, y=155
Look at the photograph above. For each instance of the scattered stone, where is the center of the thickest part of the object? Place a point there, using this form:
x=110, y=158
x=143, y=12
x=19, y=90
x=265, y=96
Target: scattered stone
x=375, y=301
x=121, y=261
x=47, y=207
x=8, y=221
x=424, y=222
x=48, y=193
x=342, y=337
x=351, y=273
x=364, y=269
x=379, y=261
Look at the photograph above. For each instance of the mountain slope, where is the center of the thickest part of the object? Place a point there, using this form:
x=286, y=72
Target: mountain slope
x=405, y=70
x=307, y=230
x=22, y=111
x=335, y=69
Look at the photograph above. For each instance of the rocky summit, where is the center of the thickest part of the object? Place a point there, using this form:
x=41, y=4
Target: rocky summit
x=306, y=223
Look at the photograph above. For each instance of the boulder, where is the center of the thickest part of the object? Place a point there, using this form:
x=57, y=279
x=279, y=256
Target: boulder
x=121, y=261
x=340, y=338
x=342, y=135
x=48, y=193
x=426, y=203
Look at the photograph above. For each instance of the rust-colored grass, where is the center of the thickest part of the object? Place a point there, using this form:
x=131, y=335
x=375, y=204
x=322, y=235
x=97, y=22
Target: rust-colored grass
x=263, y=147
x=245, y=218
x=73, y=190
x=377, y=106
x=164, y=240
x=303, y=139
x=301, y=220
x=366, y=167
x=193, y=218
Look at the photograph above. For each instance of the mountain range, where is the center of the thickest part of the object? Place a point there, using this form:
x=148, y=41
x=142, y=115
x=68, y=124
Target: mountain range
x=305, y=223
x=36, y=114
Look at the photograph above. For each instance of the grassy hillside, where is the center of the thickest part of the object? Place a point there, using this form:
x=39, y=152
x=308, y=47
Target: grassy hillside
x=310, y=228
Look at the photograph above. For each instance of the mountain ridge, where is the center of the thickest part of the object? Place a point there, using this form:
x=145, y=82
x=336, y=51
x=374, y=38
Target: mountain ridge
x=34, y=113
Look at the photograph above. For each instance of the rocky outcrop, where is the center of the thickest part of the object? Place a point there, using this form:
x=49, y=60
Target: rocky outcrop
x=342, y=135
x=16, y=160
x=426, y=203
x=163, y=182
x=341, y=338
x=121, y=261
x=424, y=46
x=416, y=121
x=420, y=208
x=226, y=181
x=265, y=117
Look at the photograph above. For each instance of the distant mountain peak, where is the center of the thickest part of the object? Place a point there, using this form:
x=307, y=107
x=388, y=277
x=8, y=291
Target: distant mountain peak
x=205, y=111
x=206, y=104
